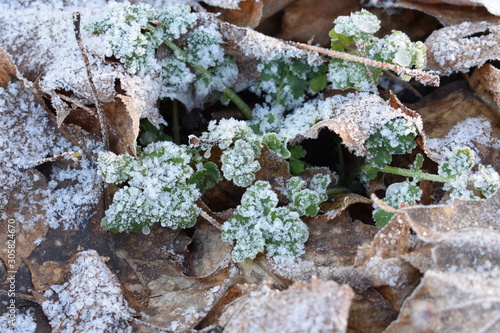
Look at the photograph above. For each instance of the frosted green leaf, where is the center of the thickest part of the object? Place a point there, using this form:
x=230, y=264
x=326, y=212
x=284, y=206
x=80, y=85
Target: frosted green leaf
x=461, y=162
x=204, y=47
x=486, y=180
x=395, y=137
x=239, y=164
x=396, y=194
x=115, y=168
x=260, y=225
x=158, y=190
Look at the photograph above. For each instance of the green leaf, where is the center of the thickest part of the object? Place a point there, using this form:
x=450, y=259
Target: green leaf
x=207, y=177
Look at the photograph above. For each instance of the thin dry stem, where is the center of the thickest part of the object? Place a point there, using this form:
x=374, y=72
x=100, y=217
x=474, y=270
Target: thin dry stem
x=427, y=78
x=100, y=111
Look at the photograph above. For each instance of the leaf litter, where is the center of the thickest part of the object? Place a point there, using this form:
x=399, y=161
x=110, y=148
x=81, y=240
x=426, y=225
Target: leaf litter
x=432, y=268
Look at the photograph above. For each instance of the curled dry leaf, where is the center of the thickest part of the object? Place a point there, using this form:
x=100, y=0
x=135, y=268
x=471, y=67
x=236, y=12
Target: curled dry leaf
x=356, y=116
x=315, y=306
x=458, y=48
x=452, y=302
x=87, y=298
x=492, y=5
x=460, y=119
x=486, y=82
x=185, y=301
x=433, y=223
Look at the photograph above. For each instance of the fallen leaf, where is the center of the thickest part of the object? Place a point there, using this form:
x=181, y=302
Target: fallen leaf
x=485, y=80
x=457, y=49
x=87, y=298
x=315, y=306
x=492, y=5
x=437, y=222
x=356, y=116
x=449, y=14
x=456, y=118
x=248, y=14
x=312, y=20
x=452, y=302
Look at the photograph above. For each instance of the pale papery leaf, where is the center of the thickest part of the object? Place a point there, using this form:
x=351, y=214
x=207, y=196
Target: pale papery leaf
x=438, y=222
x=457, y=49
x=315, y=306
x=452, y=302
x=87, y=298
x=355, y=117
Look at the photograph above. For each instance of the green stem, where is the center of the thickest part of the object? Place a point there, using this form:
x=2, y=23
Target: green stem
x=175, y=120
x=247, y=111
x=418, y=175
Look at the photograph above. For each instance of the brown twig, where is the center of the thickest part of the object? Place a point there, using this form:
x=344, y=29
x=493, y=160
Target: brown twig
x=100, y=111
x=427, y=78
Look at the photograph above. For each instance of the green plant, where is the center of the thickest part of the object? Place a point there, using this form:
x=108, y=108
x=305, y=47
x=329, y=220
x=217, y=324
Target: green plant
x=354, y=34
x=456, y=174
x=133, y=34
x=259, y=224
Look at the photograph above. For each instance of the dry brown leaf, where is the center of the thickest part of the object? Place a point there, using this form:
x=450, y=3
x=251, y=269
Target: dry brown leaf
x=449, y=14
x=207, y=249
x=313, y=19
x=248, y=15
x=452, y=302
x=357, y=116
x=485, y=80
x=432, y=223
x=343, y=201
x=86, y=296
x=458, y=48
x=315, y=306
x=457, y=119
x=391, y=241
x=8, y=69
x=184, y=301
x=492, y=5
x=30, y=208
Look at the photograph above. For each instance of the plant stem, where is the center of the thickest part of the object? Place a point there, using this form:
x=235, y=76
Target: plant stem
x=175, y=120
x=247, y=111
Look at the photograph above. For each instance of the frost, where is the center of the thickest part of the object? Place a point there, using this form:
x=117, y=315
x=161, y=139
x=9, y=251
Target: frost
x=91, y=300
x=28, y=137
x=467, y=133
x=23, y=323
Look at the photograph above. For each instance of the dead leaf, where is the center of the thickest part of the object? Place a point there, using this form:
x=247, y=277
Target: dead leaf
x=432, y=223
x=453, y=118
x=449, y=14
x=184, y=302
x=485, y=80
x=8, y=69
x=304, y=307
x=452, y=302
x=87, y=298
x=313, y=19
x=457, y=49
x=25, y=222
x=492, y=5
x=355, y=117
x=248, y=15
